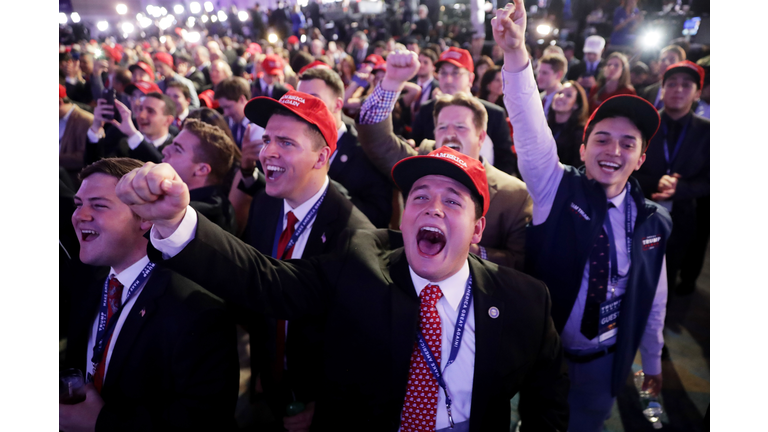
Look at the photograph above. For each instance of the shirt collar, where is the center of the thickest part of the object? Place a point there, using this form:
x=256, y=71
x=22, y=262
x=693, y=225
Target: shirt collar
x=127, y=276
x=425, y=82
x=160, y=141
x=341, y=131
x=184, y=114
x=301, y=211
x=618, y=200
x=453, y=287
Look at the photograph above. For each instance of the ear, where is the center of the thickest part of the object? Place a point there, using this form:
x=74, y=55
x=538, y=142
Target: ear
x=640, y=161
x=340, y=104
x=477, y=233
x=203, y=169
x=583, y=150
x=169, y=120
x=481, y=136
x=471, y=78
x=145, y=225
x=323, y=157
x=242, y=100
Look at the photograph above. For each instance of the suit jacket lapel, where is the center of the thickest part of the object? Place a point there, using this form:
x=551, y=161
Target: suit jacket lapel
x=264, y=238
x=321, y=228
x=344, y=148
x=140, y=313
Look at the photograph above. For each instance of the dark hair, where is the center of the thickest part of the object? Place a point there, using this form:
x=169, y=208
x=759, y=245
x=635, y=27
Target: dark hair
x=488, y=77
x=170, y=105
x=299, y=60
x=329, y=77
x=624, y=80
x=484, y=60
x=181, y=87
x=123, y=76
x=213, y=118
x=580, y=115
x=232, y=88
x=429, y=53
x=115, y=167
x=479, y=114
x=215, y=149
x=318, y=140
x=556, y=61
x=182, y=58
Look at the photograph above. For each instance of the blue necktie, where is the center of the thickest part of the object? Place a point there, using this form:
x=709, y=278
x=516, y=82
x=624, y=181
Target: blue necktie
x=597, y=286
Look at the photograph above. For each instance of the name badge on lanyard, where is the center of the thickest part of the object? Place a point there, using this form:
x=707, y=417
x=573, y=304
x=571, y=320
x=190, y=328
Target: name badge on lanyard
x=609, y=318
x=458, y=333
x=299, y=229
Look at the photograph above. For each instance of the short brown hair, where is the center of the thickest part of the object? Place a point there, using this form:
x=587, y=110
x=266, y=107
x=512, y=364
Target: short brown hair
x=479, y=114
x=232, y=88
x=115, y=167
x=556, y=61
x=170, y=105
x=215, y=149
x=328, y=76
x=181, y=87
x=429, y=54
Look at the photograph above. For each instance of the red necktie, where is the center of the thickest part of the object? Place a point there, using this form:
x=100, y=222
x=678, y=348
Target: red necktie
x=114, y=299
x=285, y=237
x=420, y=407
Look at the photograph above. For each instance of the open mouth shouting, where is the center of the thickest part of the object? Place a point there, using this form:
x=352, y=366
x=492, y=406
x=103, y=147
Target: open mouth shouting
x=273, y=172
x=430, y=240
x=88, y=235
x=609, y=167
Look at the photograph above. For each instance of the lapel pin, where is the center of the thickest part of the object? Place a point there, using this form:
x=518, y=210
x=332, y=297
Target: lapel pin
x=493, y=312
x=143, y=311
x=344, y=158
x=323, y=237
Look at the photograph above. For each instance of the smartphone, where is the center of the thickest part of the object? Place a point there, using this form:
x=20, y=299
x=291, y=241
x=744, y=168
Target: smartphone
x=257, y=132
x=109, y=96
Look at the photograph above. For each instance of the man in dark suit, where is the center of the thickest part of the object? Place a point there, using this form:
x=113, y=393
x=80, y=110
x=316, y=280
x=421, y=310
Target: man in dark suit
x=669, y=55
x=676, y=170
x=186, y=68
x=456, y=74
x=586, y=72
x=370, y=190
x=461, y=125
x=271, y=82
x=381, y=293
x=156, y=113
x=203, y=156
x=232, y=94
x=425, y=77
x=202, y=59
x=166, y=356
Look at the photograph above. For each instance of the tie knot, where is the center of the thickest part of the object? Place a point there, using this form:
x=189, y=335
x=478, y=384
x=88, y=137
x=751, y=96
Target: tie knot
x=114, y=283
x=291, y=220
x=431, y=294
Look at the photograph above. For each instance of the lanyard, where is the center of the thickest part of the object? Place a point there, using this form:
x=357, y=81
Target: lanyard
x=104, y=332
x=458, y=332
x=299, y=229
x=609, y=230
x=677, y=145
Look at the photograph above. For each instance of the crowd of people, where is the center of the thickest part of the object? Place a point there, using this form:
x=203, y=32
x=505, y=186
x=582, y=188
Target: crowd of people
x=411, y=230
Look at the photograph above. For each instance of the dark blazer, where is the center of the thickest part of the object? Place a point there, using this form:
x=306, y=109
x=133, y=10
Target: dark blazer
x=372, y=310
x=72, y=144
x=115, y=144
x=580, y=69
x=213, y=202
x=650, y=92
x=277, y=91
x=198, y=79
x=498, y=132
x=370, y=190
x=304, y=341
x=173, y=368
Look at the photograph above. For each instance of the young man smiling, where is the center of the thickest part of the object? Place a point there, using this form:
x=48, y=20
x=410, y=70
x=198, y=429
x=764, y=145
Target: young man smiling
x=594, y=239
x=392, y=302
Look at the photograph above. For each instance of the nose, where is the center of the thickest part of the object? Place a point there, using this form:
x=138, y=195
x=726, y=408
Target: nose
x=81, y=214
x=436, y=209
x=268, y=150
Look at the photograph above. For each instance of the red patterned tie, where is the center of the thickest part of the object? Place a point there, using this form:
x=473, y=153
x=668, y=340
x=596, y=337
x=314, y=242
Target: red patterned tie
x=420, y=408
x=114, y=299
x=285, y=237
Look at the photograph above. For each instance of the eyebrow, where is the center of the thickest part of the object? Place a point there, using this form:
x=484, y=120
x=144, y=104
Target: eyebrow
x=92, y=199
x=623, y=136
x=280, y=137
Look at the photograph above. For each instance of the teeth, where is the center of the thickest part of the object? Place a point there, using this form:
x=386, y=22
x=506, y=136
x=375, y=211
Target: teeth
x=88, y=231
x=433, y=229
x=610, y=164
x=275, y=168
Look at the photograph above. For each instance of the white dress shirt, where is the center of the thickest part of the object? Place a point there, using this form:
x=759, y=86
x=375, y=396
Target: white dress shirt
x=138, y=137
x=301, y=212
x=459, y=376
x=126, y=277
x=540, y=166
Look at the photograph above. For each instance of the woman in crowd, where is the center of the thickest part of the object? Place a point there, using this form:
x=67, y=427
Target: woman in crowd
x=347, y=69
x=483, y=65
x=566, y=119
x=491, y=87
x=614, y=80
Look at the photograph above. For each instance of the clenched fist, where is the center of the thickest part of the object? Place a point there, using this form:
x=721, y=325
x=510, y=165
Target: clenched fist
x=401, y=67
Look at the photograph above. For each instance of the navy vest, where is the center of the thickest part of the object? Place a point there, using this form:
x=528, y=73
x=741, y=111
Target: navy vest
x=557, y=251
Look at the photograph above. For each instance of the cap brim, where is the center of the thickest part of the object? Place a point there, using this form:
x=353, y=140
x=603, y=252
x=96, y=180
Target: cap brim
x=692, y=73
x=638, y=110
x=451, y=61
x=406, y=172
x=259, y=110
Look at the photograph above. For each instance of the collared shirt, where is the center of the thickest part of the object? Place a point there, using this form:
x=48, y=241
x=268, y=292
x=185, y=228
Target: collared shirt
x=301, y=212
x=459, y=376
x=339, y=133
x=378, y=106
x=63, y=123
x=181, y=117
x=126, y=277
x=547, y=99
x=426, y=89
x=138, y=137
x=540, y=166
x=244, y=122
x=266, y=89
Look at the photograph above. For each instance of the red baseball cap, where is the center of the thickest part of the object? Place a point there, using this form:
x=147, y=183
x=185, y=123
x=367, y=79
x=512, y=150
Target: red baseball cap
x=113, y=53
x=447, y=162
x=380, y=67
x=206, y=98
x=164, y=57
x=272, y=65
x=374, y=59
x=143, y=66
x=62, y=92
x=145, y=87
x=293, y=39
x=254, y=48
x=638, y=110
x=695, y=71
x=311, y=109
x=457, y=57
x=314, y=64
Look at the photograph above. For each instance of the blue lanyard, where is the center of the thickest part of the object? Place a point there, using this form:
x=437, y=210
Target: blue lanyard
x=458, y=332
x=104, y=332
x=299, y=229
x=609, y=230
x=677, y=146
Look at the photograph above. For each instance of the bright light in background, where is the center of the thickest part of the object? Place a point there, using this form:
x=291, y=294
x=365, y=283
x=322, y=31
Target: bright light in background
x=163, y=11
x=62, y=18
x=194, y=7
x=127, y=27
x=543, y=29
x=272, y=38
x=213, y=18
x=222, y=16
x=303, y=3
x=651, y=39
x=97, y=53
x=208, y=6
x=191, y=22
x=166, y=22
x=303, y=38
x=145, y=22
x=243, y=16
x=192, y=37
x=162, y=39
x=102, y=25
x=121, y=9
x=178, y=9
x=75, y=17
x=204, y=19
